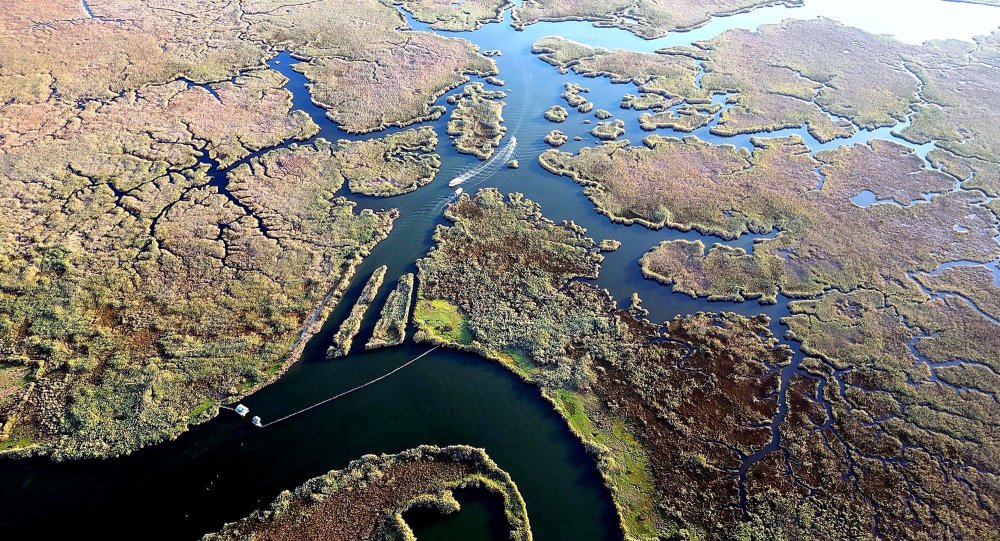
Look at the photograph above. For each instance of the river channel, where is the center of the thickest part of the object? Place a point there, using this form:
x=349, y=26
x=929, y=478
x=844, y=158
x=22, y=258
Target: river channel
x=224, y=469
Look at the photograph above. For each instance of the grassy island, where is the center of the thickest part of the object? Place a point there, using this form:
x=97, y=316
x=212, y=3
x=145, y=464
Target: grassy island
x=366, y=500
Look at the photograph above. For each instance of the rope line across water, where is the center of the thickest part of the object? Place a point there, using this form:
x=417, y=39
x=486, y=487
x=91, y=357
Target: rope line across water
x=349, y=391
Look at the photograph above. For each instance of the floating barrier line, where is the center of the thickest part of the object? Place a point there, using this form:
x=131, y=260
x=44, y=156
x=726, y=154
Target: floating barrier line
x=349, y=391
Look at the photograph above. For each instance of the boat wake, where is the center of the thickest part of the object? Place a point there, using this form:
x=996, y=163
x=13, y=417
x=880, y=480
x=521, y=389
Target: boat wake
x=489, y=167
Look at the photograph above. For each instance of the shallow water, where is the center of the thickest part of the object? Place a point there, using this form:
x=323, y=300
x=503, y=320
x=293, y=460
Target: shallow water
x=223, y=469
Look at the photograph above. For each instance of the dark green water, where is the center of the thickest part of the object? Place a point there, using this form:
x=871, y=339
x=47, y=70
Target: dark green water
x=224, y=469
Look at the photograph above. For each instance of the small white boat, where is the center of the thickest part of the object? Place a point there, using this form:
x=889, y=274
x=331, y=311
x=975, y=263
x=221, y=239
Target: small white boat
x=458, y=192
x=455, y=182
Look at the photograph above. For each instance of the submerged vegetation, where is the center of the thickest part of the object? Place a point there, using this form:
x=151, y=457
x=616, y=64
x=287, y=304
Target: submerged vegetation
x=366, y=500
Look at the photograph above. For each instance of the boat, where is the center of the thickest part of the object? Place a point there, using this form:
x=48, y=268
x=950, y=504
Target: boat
x=458, y=192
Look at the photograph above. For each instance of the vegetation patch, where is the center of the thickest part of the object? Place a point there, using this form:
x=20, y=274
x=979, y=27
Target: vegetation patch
x=689, y=184
x=362, y=69
x=476, y=122
x=139, y=280
x=556, y=113
x=396, y=164
x=366, y=500
x=344, y=337
x=463, y=15
x=438, y=320
x=649, y=400
x=574, y=97
x=556, y=138
x=391, y=327
x=609, y=131
x=645, y=19
x=686, y=118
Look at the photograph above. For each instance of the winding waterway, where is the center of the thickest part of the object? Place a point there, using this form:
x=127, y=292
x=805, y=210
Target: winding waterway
x=224, y=469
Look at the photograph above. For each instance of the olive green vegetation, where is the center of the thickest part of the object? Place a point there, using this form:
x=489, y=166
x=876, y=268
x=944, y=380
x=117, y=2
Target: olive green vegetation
x=556, y=138
x=134, y=290
x=556, y=113
x=408, y=70
x=645, y=19
x=609, y=131
x=344, y=337
x=475, y=123
x=890, y=431
x=610, y=245
x=455, y=16
x=574, y=97
x=819, y=74
x=648, y=101
x=724, y=274
x=391, y=327
x=395, y=164
x=366, y=500
x=685, y=118
x=670, y=77
x=903, y=411
x=825, y=240
x=974, y=283
x=137, y=291
x=667, y=410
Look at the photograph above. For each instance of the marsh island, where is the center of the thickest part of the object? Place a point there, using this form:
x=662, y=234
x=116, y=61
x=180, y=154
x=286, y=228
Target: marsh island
x=678, y=269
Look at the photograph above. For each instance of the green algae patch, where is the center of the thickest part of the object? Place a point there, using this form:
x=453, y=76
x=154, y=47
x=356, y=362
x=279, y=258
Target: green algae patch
x=366, y=500
x=440, y=320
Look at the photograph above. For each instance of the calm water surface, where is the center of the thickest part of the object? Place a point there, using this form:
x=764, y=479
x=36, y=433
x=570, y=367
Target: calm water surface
x=222, y=470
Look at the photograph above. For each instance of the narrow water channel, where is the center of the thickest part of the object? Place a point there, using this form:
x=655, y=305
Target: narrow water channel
x=222, y=470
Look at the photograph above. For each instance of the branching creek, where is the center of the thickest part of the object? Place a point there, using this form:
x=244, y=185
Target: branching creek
x=222, y=470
